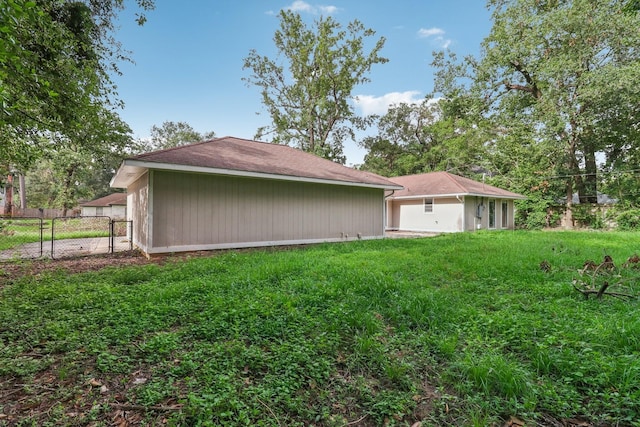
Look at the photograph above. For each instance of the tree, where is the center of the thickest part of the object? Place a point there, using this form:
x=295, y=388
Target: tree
x=424, y=137
x=56, y=57
x=175, y=134
x=309, y=100
x=80, y=165
x=562, y=74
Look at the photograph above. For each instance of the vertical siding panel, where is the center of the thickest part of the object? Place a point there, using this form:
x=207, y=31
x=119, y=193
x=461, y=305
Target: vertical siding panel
x=200, y=209
x=138, y=196
x=203, y=211
x=227, y=211
x=235, y=210
x=159, y=210
x=214, y=205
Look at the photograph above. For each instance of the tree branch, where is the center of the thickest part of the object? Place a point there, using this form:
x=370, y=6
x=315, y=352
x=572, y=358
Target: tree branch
x=532, y=87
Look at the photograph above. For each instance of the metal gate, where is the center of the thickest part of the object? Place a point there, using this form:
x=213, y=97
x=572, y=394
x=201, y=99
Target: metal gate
x=61, y=237
x=22, y=238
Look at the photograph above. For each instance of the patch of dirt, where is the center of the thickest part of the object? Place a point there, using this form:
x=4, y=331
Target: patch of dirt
x=10, y=271
x=13, y=270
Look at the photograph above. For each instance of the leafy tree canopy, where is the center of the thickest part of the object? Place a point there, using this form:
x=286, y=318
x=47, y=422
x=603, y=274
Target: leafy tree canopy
x=56, y=58
x=174, y=134
x=425, y=137
x=560, y=75
x=308, y=97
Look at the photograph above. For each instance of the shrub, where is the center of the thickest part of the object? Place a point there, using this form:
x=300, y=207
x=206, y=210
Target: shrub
x=629, y=219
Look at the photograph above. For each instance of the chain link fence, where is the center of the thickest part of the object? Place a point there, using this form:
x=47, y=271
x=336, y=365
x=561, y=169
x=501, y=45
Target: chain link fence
x=61, y=237
x=22, y=238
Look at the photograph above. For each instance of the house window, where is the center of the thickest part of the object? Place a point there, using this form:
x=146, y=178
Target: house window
x=492, y=214
x=99, y=211
x=428, y=205
x=505, y=214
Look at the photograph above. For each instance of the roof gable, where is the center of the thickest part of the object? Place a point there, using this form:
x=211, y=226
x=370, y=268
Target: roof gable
x=110, y=200
x=244, y=157
x=446, y=184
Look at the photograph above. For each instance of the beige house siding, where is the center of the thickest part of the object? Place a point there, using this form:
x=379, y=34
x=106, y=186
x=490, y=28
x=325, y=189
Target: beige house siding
x=472, y=222
x=482, y=223
x=447, y=215
x=138, y=196
x=450, y=214
x=113, y=212
x=201, y=211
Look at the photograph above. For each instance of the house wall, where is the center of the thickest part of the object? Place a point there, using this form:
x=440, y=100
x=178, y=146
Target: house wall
x=113, y=212
x=449, y=214
x=474, y=219
x=409, y=215
x=118, y=212
x=482, y=223
x=199, y=212
x=138, y=195
x=89, y=211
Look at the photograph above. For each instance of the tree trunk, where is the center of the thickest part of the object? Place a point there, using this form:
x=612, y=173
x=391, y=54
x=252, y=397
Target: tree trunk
x=590, y=186
x=23, y=192
x=8, y=196
x=568, y=212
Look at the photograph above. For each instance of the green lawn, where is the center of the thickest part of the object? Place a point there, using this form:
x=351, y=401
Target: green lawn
x=457, y=330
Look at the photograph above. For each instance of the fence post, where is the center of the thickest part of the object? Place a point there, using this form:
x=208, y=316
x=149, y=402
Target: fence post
x=53, y=222
x=111, y=236
x=41, y=238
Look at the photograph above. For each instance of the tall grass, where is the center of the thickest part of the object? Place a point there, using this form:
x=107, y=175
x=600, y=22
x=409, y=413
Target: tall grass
x=461, y=329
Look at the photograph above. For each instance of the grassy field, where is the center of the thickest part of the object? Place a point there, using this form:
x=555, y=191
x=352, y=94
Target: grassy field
x=458, y=330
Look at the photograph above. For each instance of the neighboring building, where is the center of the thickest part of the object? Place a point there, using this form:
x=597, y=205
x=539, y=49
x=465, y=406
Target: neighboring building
x=232, y=193
x=443, y=202
x=114, y=206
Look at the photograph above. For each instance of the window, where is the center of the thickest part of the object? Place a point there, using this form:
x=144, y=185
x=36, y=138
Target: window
x=428, y=205
x=99, y=211
x=505, y=214
x=492, y=214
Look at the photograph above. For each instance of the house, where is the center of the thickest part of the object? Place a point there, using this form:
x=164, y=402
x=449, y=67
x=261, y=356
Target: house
x=444, y=202
x=233, y=193
x=114, y=206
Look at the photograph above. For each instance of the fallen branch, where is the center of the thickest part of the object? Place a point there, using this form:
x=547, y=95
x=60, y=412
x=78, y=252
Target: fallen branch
x=352, y=423
x=600, y=292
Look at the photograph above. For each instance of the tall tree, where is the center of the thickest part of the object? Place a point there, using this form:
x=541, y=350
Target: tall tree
x=563, y=71
x=79, y=165
x=174, y=134
x=308, y=98
x=56, y=57
x=428, y=136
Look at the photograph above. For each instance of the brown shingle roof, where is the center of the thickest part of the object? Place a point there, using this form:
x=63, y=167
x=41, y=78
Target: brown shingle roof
x=111, y=199
x=445, y=183
x=251, y=157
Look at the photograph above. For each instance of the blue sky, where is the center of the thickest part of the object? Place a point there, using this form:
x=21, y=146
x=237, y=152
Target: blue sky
x=189, y=56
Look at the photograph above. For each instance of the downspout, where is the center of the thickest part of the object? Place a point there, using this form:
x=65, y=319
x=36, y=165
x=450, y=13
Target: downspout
x=386, y=216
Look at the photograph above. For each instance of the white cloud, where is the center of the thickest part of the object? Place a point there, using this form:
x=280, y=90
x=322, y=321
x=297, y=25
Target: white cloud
x=304, y=7
x=430, y=32
x=300, y=6
x=369, y=104
x=329, y=10
x=435, y=36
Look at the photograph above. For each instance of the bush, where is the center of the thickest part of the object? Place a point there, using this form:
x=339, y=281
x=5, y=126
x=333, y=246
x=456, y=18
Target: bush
x=629, y=219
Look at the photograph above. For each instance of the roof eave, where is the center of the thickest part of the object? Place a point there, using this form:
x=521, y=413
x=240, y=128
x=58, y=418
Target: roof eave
x=422, y=196
x=132, y=169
